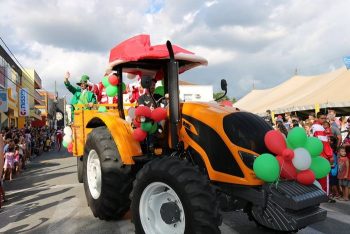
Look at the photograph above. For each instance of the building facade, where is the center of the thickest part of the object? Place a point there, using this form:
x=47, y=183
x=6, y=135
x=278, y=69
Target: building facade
x=47, y=109
x=10, y=83
x=194, y=92
x=31, y=82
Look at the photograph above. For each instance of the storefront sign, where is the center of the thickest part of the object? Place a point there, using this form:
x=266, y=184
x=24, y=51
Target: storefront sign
x=23, y=102
x=3, y=101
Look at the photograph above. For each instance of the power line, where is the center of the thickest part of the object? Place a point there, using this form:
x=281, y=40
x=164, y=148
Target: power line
x=23, y=69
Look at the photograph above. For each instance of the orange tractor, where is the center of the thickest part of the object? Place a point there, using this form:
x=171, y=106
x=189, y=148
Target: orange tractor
x=201, y=165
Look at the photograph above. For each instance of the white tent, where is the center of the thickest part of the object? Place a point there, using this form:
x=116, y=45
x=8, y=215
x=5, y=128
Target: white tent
x=301, y=93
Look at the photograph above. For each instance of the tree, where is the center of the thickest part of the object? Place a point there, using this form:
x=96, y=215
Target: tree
x=219, y=94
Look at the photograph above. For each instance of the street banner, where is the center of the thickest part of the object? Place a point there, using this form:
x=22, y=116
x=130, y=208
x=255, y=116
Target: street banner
x=3, y=101
x=347, y=62
x=23, y=102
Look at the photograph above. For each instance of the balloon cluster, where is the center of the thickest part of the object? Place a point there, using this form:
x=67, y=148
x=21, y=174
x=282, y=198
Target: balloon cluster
x=146, y=121
x=67, y=139
x=111, y=84
x=297, y=158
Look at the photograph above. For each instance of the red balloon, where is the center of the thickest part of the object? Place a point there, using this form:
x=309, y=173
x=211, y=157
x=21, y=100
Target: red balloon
x=139, y=134
x=306, y=177
x=70, y=147
x=136, y=123
x=288, y=171
x=113, y=80
x=275, y=142
x=143, y=111
x=159, y=114
x=288, y=154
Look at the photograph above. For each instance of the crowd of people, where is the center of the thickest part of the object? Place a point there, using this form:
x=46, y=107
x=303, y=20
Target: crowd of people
x=334, y=133
x=19, y=146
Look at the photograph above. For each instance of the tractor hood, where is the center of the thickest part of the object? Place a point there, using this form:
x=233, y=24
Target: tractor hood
x=243, y=129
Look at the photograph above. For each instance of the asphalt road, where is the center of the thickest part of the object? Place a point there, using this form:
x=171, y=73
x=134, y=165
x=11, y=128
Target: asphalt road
x=47, y=198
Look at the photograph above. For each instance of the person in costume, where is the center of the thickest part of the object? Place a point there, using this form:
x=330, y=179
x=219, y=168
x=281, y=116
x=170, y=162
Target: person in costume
x=319, y=132
x=100, y=91
x=81, y=94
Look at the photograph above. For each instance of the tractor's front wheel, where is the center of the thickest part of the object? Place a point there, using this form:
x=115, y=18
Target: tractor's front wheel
x=171, y=196
x=107, y=182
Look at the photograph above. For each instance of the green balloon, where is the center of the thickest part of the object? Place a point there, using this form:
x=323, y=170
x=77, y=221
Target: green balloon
x=266, y=168
x=297, y=137
x=289, y=146
x=102, y=109
x=146, y=126
x=65, y=144
x=159, y=90
x=320, y=166
x=154, y=128
x=111, y=90
x=123, y=87
x=105, y=81
x=314, y=146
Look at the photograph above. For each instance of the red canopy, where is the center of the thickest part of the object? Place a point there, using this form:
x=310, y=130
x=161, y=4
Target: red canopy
x=140, y=48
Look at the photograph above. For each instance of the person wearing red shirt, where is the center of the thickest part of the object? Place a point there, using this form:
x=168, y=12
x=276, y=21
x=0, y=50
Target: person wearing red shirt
x=319, y=132
x=100, y=92
x=59, y=139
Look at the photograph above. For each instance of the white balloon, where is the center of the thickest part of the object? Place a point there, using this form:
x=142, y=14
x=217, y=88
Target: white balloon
x=131, y=112
x=302, y=159
x=67, y=131
x=67, y=139
x=128, y=119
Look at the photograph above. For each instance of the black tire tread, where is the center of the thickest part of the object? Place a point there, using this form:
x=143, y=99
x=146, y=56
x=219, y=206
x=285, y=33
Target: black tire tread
x=198, y=195
x=80, y=170
x=114, y=200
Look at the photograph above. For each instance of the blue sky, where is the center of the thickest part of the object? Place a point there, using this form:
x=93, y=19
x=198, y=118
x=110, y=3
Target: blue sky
x=260, y=42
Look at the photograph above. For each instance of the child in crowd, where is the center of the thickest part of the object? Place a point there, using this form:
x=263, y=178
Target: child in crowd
x=22, y=152
x=53, y=141
x=9, y=161
x=333, y=175
x=47, y=145
x=343, y=173
x=16, y=160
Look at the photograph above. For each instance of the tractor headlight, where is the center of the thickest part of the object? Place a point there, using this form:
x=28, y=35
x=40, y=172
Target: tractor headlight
x=247, y=158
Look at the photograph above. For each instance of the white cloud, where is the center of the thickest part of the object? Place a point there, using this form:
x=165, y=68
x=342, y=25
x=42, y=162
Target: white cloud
x=211, y=3
x=214, y=56
x=258, y=40
x=248, y=83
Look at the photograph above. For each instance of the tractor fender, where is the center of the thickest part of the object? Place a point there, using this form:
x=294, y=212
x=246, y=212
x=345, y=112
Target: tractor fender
x=121, y=132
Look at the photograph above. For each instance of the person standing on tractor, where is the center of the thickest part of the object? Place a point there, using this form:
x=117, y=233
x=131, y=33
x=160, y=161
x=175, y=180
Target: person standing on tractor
x=100, y=91
x=80, y=95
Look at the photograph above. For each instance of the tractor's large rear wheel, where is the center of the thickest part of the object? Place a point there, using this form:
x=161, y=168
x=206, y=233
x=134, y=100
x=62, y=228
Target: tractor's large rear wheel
x=171, y=196
x=107, y=182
